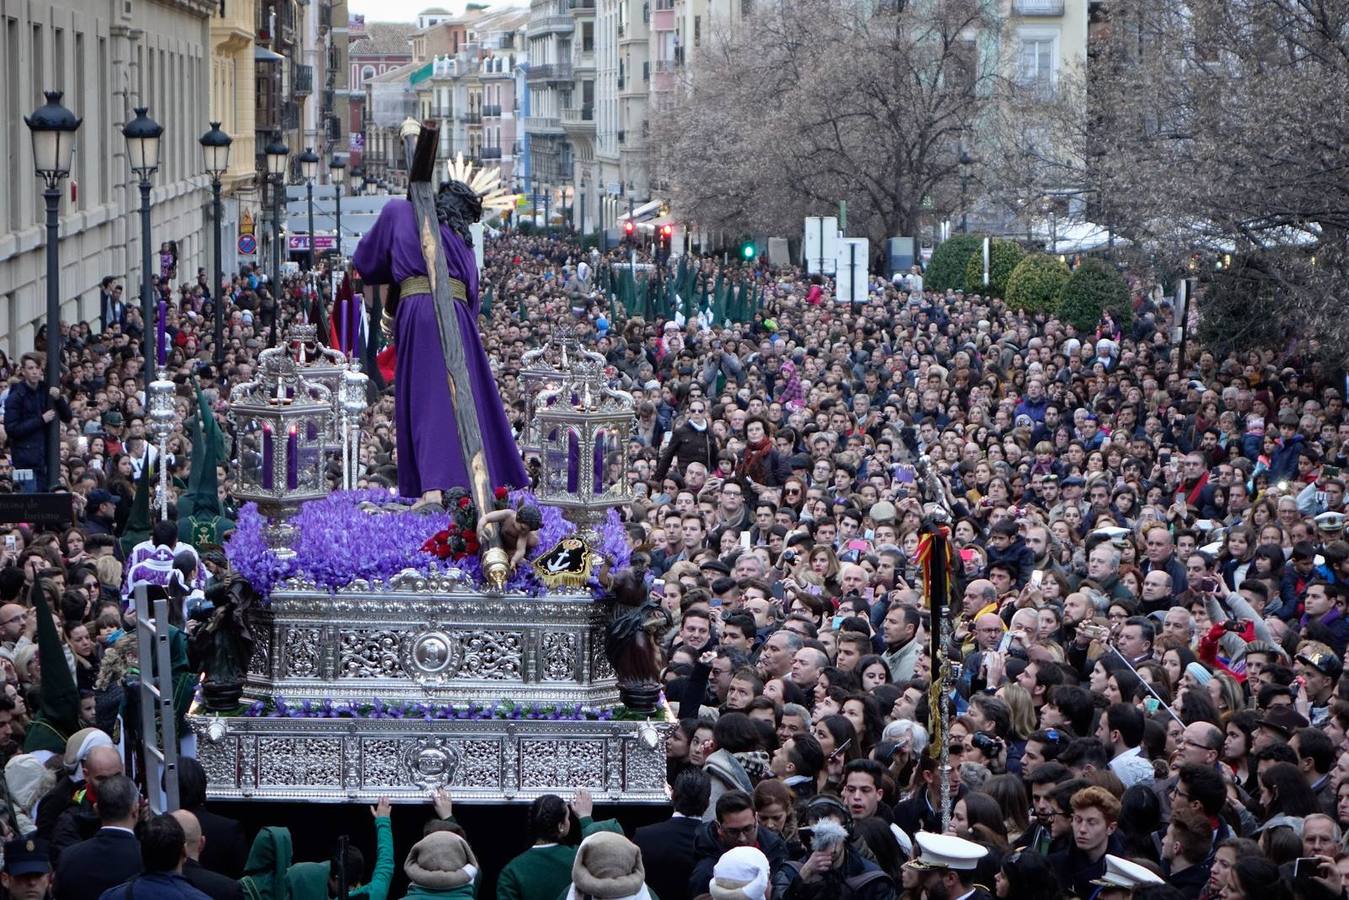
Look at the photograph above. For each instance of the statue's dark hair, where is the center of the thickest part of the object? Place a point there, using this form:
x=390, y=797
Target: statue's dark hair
x=529, y=516
x=458, y=206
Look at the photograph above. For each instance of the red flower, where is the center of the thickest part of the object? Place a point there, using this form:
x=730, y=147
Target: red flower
x=501, y=493
x=465, y=503
x=438, y=545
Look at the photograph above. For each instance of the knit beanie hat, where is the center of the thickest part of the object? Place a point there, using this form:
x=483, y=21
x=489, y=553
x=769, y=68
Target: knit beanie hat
x=1200, y=674
x=740, y=874
x=608, y=866
x=440, y=861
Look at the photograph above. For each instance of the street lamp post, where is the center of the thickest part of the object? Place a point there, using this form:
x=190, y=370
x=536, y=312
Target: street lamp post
x=966, y=161
x=337, y=174
x=276, y=153
x=53, y=128
x=309, y=170
x=215, y=145
x=142, y=141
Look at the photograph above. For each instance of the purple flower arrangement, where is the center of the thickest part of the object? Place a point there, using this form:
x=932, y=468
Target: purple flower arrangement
x=338, y=542
x=378, y=709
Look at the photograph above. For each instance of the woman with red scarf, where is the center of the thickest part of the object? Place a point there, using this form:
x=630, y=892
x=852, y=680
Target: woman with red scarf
x=761, y=463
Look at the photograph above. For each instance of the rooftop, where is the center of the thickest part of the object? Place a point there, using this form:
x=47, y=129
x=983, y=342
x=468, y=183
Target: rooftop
x=384, y=39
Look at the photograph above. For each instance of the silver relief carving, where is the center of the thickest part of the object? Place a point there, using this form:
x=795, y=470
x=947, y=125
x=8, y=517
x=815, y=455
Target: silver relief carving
x=493, y=655
x=600, y=667
x=431, y=657
x=347, y=760
x=303, y=651
x=432, y=762
x=370, y=654
x=574, y=762
x=315, y=761
x=381, y=764
x=481, y=764
x=559, y=656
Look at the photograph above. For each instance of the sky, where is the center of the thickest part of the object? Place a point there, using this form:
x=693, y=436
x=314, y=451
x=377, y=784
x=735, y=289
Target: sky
x=406, y=10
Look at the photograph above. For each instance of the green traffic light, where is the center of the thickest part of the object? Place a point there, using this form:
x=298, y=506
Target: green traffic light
x=747, y=251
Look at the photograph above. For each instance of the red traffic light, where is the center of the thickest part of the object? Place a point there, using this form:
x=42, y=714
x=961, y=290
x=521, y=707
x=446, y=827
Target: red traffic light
x=666, y=231
x=629, y=227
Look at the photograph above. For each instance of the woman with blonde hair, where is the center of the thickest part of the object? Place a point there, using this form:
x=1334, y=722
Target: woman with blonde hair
x=1023, y=710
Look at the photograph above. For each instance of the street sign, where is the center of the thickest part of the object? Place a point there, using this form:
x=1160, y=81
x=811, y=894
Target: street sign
x=248, y=245
x=850, y=266
x=821, y=244
x=300, y=242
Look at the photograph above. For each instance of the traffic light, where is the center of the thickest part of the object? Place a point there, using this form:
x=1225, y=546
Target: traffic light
x=628, y=228
x=748, y=250
x=666, y=232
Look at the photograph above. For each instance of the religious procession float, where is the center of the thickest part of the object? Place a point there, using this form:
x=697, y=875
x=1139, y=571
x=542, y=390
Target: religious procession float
x=469, y=631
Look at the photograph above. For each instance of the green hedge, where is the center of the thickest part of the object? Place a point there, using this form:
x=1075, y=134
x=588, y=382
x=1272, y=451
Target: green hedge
x=1093, y=288
x=1003, y=257
x=1035, y=283
x=946, y=269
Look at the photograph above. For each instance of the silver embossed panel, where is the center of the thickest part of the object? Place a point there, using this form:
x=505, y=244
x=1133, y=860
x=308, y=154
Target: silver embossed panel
x=346, y=760
x=300, y=760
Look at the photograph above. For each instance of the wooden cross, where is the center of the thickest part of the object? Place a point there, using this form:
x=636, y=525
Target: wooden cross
x=419, y=145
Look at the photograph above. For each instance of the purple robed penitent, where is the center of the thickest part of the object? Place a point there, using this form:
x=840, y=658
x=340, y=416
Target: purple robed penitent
x=429, y=454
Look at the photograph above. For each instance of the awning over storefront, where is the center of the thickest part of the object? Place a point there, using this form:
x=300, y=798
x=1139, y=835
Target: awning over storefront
x=642, y=212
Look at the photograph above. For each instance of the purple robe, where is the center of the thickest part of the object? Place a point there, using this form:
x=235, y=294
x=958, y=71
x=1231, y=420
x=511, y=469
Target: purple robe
x=429, y=454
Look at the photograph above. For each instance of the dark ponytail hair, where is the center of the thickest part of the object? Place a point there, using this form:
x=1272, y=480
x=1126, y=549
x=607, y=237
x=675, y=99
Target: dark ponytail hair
x=546, y=813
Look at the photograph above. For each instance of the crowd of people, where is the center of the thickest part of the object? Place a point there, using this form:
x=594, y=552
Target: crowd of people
x=1150, y=588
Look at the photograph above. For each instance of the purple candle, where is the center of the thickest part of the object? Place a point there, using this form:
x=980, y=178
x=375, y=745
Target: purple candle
x=267, y=456
x=573, y=461
x=292, y=459
x=163, y=337
x=353, y=320
x=599, y=463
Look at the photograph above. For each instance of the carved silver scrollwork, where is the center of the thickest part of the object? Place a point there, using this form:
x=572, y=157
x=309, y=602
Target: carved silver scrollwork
x=300, y=760
x=304, y=649
x=493, y=655
x=574, y=762
x=382, y=764
x=558, y=661
x=370, y=654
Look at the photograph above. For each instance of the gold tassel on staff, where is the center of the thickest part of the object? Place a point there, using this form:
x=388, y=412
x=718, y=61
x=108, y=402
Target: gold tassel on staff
x=936, y=559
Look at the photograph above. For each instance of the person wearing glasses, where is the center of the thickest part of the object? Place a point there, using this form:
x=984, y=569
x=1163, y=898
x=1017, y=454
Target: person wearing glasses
x=690, y=442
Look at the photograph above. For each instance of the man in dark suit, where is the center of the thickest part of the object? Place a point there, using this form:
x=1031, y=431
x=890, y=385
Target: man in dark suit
x=225, y=849
x=667, y=847
x=212, y=884
x=111, y=856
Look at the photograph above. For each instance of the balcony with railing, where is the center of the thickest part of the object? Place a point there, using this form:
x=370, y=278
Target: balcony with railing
x=582, y=7
x=543, y=125
x=472, y=117
x=302, y=81
x=583, y=60
x=491, y=111
x=441, y=112
x=579, y=117
x=552, y=25
x=1038, y=7
x=491, y=153
x=278, y=15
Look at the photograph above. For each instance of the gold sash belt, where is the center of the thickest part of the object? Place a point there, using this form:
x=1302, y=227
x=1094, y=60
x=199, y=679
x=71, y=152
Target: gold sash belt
x=420, y=284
